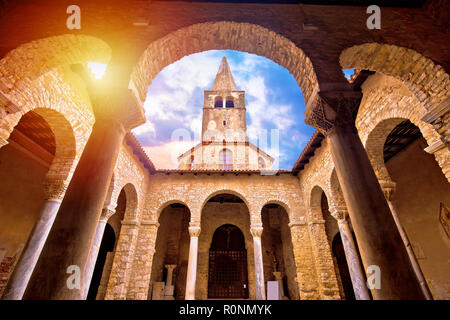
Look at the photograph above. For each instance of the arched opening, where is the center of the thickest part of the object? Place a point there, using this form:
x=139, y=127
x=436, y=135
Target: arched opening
x=261, y=163
x=105, y=257
x=226, y=159
x=337, y=248
x=170, y=260
x=225, y=261
x=29, y=165
x=107, y=245
x=227, y=275
x=218, y=102
x=421, y=200
x=320, y=210
x=229, y=102
x=278, y=252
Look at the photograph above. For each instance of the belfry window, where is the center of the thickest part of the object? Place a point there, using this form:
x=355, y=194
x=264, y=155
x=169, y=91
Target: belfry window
x=229, y=102
x=225, y=159
x=261, y=164
x=218, y=102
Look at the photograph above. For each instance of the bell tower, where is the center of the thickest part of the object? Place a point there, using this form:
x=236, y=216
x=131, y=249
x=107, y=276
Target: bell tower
x=224, y=109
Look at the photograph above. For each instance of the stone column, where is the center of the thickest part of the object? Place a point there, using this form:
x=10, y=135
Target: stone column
x=170, y=268
x=388, y=191
x=18, y=281
x=381, y=246
x=351, y=255
x=194, y=232
x=256, y=231
x=70, y=239
x=93, y=254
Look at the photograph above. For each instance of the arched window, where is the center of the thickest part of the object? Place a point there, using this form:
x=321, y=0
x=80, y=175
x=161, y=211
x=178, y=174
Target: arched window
x=229, y=102
x=191, y=163
x=218, y=102
x=261, y=163
x=225, y=159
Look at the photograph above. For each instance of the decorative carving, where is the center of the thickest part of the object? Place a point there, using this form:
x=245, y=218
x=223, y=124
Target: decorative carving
x=339, y=214
x=256, y=231
x=334, y=108
x=194, y=231
x=106, y=214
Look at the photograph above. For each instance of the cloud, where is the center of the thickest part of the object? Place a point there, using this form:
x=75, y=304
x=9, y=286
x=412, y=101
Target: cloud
x=175, y=100
x=165, y=156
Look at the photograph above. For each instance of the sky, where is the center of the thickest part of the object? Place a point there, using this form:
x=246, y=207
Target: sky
x=175, y=100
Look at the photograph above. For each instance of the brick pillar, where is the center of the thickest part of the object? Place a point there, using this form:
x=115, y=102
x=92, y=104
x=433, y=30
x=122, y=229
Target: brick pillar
x=138, y=287
x=260, y=286
x=329, y=288
x=308, y=286
x=194, y=232
x=123, y=261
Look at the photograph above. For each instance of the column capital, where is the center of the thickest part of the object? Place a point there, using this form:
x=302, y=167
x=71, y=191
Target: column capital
x=194, y=231
x=107, y=212
x=256, y=231
x=334, y=108
x=388, y=188
x=339, y=213
x=3, y=142
x=170, y=266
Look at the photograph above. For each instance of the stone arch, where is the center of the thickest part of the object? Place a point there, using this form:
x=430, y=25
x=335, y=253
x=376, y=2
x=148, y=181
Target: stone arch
x=337, y=197
x=167, y=203
x=427, y=80
x=65, y=159
x=37, y=75
x=238, y=194
x=387, y=98
x=282, y=204
x=375, y=145
x=33, y=59
x=315, y=203
x=131, y=201
x=223, y=35
x=63, y=164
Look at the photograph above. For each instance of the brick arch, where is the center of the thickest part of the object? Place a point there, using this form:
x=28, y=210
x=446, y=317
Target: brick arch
x=386, y=98
x=337, y=197
x=222, y=35
x=131, y=197
x=315, y=202
x=238, y=194
x=33, y=59
x=165, y=204
x=282, y=204
x=427, y=80
x=63, y=164
x=375, y=145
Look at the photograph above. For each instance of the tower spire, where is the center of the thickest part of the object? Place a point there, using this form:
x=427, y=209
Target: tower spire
x=224, y=79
